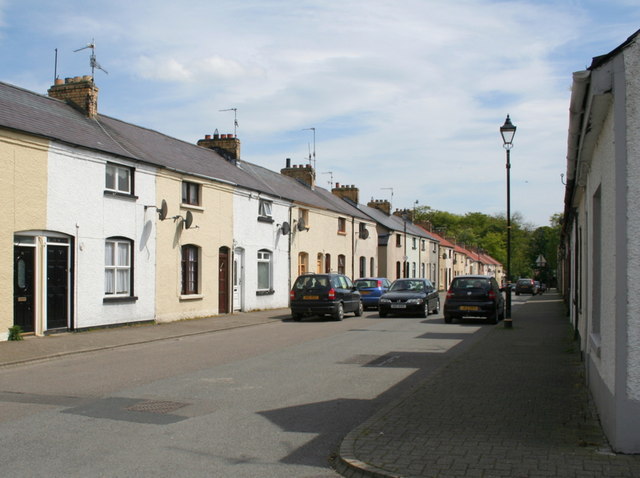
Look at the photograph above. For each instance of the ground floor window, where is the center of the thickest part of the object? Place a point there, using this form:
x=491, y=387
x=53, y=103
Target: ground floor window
x=190, y=269
x=117, y=269
x=264, y=269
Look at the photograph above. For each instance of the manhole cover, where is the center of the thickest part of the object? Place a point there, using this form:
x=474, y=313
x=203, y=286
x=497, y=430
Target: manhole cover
x=156, y=406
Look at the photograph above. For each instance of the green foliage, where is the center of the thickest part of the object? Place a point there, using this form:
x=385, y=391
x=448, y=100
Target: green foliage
x=477, y=230
x=15, y=333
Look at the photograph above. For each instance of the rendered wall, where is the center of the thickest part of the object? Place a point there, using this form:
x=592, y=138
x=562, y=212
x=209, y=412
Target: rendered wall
x=214, y=221
x=252, y=236
x=23, y=195
x=79, y=207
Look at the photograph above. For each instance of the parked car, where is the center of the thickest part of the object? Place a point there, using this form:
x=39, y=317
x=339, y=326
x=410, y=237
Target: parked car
x=474, y=296
x=371, y=288
x=322, y=294
x=410, y=296
x=526, y=286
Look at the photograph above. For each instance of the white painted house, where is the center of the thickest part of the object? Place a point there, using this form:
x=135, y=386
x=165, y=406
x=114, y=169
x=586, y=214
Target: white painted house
x=601, y=250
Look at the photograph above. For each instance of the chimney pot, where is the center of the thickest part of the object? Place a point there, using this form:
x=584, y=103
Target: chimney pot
x=207, y=136
x=337, y=185
x=288, y=162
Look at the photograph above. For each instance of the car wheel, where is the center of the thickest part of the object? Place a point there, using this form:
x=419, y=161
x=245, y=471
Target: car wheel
x=493, y=318
x=437, y=309
x=359, y=310
x=339, y=313
x=425, y=310
x=297, y=317
x=382, y=314
x=448, y=319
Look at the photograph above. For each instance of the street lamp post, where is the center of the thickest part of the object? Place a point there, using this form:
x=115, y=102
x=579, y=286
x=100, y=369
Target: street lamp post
x=508, y=131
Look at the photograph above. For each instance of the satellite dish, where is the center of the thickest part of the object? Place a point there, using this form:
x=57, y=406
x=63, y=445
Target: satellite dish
x=364, y=233
x=286, y=228
x=301, y=225
x=189, y=220
x=162, y=212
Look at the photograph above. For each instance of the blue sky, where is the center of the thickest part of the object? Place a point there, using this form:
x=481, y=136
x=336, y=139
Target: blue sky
x=403, y=94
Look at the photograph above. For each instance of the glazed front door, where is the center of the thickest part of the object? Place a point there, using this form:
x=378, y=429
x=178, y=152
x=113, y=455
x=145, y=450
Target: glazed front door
x=57, y=286
x=223, y=281
x=23, y=288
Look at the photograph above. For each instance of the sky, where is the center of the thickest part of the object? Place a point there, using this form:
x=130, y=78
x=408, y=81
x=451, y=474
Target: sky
x=401, y=98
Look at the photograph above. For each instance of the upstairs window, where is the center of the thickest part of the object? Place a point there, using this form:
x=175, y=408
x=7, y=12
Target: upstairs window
x=190, y=193
x=119, y=179
x=342, y=225
x=414, y=244
x=117, y=267
x=398, y=240
x=265, y=210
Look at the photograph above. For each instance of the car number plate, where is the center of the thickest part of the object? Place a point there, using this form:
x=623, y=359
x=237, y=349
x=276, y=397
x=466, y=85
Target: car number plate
x=365, y=292
x=398, y=306
x=469, y=307
x=310, y=297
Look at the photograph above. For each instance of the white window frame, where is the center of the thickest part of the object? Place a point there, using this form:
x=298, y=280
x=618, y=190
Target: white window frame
x=265, y=258
x=265, y=208
x=118, y=267
x=115, y=186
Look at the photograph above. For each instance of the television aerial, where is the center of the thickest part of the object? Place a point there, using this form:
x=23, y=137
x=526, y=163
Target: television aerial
x=92, y=59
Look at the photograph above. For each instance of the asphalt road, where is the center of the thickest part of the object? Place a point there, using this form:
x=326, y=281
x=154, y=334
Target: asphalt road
x=266, y=401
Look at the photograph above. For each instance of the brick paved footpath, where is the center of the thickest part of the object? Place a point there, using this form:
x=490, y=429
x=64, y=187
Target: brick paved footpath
x=514, y=405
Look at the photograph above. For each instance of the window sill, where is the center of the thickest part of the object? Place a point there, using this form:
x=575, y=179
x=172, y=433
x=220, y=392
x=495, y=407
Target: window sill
x=265, y=219
x=116, y=194
x=191, y=297
x=342, y=233
x=265, y=292
x=119, y=299
x=194, y=207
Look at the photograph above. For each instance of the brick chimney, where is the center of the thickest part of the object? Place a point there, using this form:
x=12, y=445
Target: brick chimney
x=349, y=192
x=381, y=204
x=225, y=144
x=408, y=213
x=302, y=172
x=80, y=92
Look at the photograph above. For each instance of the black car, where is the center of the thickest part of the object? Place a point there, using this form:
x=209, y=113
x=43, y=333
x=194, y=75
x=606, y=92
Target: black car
x=321, y=294
x=410, y=296
x=474, y=296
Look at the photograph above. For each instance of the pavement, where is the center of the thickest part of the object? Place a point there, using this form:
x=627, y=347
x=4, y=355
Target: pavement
x=513, y=405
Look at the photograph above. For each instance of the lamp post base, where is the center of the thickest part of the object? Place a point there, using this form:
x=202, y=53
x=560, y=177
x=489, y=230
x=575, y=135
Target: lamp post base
x=508, y=324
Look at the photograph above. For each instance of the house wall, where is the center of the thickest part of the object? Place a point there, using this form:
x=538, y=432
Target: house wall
x=212, y=229
x=367, y=248
x=251, y=236
x=321, y=236
x=23, y=162
x=79, y=208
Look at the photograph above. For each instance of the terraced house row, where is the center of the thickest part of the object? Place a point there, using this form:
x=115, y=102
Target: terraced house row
x=112, y=223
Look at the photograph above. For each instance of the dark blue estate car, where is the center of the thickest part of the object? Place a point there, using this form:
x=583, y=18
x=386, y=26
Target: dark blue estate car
x=371, y=288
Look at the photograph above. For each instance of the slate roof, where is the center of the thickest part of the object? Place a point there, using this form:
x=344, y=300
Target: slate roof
x=39, y=115
x=395, y=223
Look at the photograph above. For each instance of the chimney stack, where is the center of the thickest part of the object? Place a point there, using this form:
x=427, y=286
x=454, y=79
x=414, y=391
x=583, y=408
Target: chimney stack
x=302, y=172
x=349, y=192
x=225, y=144
x=381, y=204
x=80, y=92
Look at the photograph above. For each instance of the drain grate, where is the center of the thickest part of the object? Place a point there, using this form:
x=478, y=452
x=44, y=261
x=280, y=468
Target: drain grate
x=156, y=406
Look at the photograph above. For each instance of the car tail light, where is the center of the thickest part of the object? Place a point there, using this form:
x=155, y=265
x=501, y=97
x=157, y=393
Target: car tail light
x=379, y=283
x=332, y=294
x=492, y=294
x=450, y=294
x=292, y=295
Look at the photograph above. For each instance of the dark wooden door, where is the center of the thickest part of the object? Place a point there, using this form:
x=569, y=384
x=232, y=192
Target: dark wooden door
x=24, y=288
x=223, y=281
x=57, y=286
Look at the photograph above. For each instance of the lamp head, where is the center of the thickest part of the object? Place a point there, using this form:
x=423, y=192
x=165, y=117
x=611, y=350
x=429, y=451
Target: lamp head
x=508, y=131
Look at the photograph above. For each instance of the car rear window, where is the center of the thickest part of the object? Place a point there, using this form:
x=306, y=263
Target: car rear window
x=312, y=282
x=364, y=284
x=470, y=283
